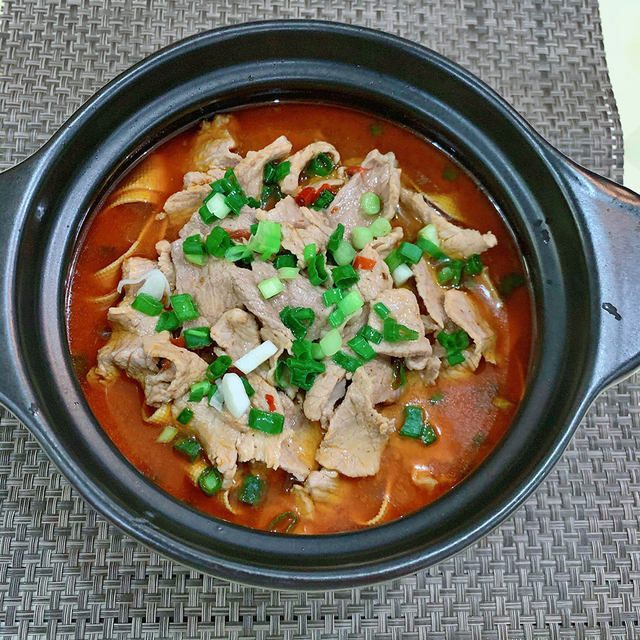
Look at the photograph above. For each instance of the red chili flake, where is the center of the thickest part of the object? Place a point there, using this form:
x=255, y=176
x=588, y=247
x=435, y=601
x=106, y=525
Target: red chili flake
x=364, y=263
x=351, y=171
x=179, y=342
x=334, y=210
x=306, y=197
x=239, y=233
x=329, y=187
x=271, y=401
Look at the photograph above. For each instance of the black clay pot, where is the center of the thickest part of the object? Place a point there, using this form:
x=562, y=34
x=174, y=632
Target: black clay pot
x=579, y=235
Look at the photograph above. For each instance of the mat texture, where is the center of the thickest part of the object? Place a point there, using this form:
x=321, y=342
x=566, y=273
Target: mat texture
x=565, y=565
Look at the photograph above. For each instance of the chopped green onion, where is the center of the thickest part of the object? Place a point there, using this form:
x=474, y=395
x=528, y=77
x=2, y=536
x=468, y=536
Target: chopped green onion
x=401, y=274
x=380, y=227
x=285, y=260
x=167, y=434
x=332, y=296
x=266, y=421
x=147, y=304
x=346, y=362
x=282, y=375
x=267, y=238
x=217, y=242
x=449, y=173
x=238, y=252
x=375, y=130
x=194, y=250
x=411, y=253
x=216, y=207
x=370, y=203
x=336, y=318
x=270, y=287
x=431, y=248
x=210, y=481
x=331, y=342
x=189, y=447
x=316, y=351
x=323, y=200
x=361, y=348
x=199, y=390
x=287, y=516
x=361, y=236
x=253, y=228
x=252, y=490
x=301, y=349
x=321, y=165
x=344, y=254
x=399, y=379
x=309, y=253
x=269, y=173
x=197, y=337
x=351, y=303
x=455, y=358
x=436, y=398
x=253, y=203
x=393, y=331
x=270, y=192
x=428, y=435
x=184, y=307
x=394, y=260
x=288, y=273
x=413, y=422
x=316, y=271
x=454, y=343
x=222, y=186
x=430, y=233
x=218, y=367
x=282, y=170
x=474, y=265
x=344, y=276
x=298, y=320
x=510, y=282
x=381, y=310
x=370, y=334
x=451, y=272
x=213, y=391
x=235, y=201
x=335, y=238
x=168, y=321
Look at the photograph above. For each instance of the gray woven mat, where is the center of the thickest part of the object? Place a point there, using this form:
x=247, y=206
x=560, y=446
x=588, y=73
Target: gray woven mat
x=566, y=565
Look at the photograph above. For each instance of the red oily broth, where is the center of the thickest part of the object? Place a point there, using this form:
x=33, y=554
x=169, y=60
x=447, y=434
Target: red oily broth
x=474, y=411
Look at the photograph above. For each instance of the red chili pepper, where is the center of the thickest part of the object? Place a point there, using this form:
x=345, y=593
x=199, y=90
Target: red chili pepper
x=329, y=187
x=306, y=197
x=271, y=401
x=179, y=342
x=351, y=171
x=239, y=233
x=364, y=263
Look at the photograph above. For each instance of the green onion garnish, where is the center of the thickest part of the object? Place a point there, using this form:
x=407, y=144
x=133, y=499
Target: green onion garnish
x=144, y=303
x=344, y=276
x=510, y=282
x=393, y=331
x=370, y=203
x=428, y=435
x=436, y=398
x=454, y=343
x=217, y=242
x=282, y=375
x=449, y=173
x=332, y=296
x=474, y=265
x=375, y=130
x=410, y=252
x=194, y=250
x=282, y=170
x=323, y=200
x=288, y=517
x=451, y=272
x=269, y=173
x=430, y=233
x=253, y=203
x=270, y=192
x=214, y=208
x=316, y=351
x=413, y=422
x=394, y=260
x=399, y=379
x=247, y=386
x=335, y=238
x=197, y=337
x=270, y=287
x=285, y=260
x=298, y=320
x=267, y=238
x=266, y=421
x=288, y=273
x=361, y=348
x=351, y=302
x=168, y=321
x=431, y=248
x=321, y=165
x=336, y=318
x=251, y=490
x=370, y=334
x=167, y=434
x=309, y=253
x=210, y=481
x=380, y=227
x=346, y=362
x=316, y=271
x=381, y=310
x=199, y=390
x=344, y=254
x=361, y=237
x=184, y=307
x=238, y=252
x=218, y=367
x=331, y=342
x=189, y=447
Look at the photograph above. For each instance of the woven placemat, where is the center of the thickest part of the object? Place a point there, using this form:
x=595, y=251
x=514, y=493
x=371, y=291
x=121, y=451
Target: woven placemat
x=566, y=565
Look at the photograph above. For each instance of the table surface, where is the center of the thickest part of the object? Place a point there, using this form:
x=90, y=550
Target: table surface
x=566, y=564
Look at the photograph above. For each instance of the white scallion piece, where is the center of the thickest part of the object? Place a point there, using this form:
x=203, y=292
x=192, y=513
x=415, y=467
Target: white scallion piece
x=217, y=399
x=155, y=284
x=401, y=274
x=235, y=397
x=254, y=358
